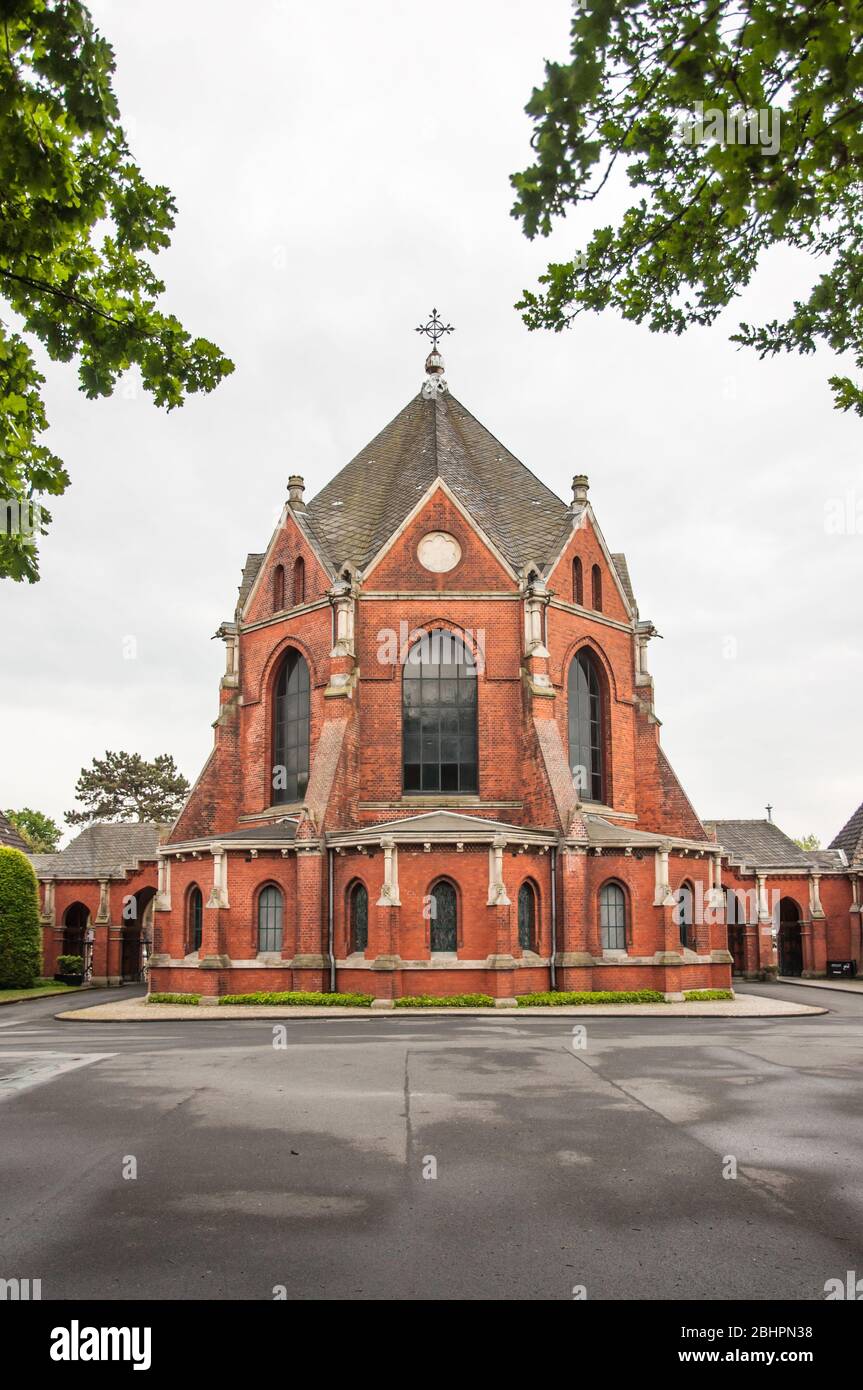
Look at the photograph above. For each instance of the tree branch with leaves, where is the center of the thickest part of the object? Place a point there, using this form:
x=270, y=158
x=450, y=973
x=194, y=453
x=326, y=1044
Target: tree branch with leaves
x=78, y=226
x=708, y=209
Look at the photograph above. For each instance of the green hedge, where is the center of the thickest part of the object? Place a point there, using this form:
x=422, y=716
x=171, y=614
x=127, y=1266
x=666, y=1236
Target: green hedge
x=173, y=998
x=301, y=997
x=70, y=965
x=20, y=932
x=445, y=1001
x=696, y=994
x=590, y=996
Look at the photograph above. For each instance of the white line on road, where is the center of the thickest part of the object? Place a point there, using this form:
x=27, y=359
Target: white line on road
x=35, y=1068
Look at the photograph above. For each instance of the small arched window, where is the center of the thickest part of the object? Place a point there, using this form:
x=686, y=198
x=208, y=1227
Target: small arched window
x=299, y=580
x=271, y=912
x=358, y=914
x=596, y=588
x=527, y=917
x=612, y=917
x=577, y=582
x=278, y=588
x=444, y=916
x=439, y=715
x=684, y=914
x=291, y=729
x=586, y=725
x=195, y=918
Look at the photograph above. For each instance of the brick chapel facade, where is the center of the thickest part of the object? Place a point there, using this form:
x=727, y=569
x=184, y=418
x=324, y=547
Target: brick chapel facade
x=437, y=766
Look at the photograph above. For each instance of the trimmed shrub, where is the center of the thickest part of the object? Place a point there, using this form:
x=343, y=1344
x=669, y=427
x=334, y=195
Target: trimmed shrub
x=445, y=1001
x=70, y=965
x=696, y=994
x=173, y=998
x=549, y=998
x=302, y=998
x=20, y=932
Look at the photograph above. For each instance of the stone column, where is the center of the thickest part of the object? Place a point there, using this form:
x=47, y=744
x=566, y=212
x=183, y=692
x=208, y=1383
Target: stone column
x=49, y=913
x=767, y=954
x=212, y=957
x=819, y=926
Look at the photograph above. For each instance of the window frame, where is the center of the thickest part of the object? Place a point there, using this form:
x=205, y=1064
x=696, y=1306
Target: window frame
x=529, y=886
x=593, y=719
x=283, y=726
x=354, y=888
x=194, y=920
x=618, y=926
x=441, y=713
x=265, y=888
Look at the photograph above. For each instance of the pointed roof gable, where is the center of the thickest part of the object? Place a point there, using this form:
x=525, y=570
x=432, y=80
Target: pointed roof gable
x=436, y=437
x=850, y=838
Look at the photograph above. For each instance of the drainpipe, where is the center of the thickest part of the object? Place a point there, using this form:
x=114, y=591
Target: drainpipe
x=553, y=977
x=330, y=921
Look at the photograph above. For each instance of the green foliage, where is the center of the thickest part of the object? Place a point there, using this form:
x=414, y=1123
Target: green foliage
x=173, y=998
x=41, y=833
x=694, y=995
x=20, y=932
x=808, y=842
x=445, y=1001
x=79, y=226
x=125, y=787
x=549, y=998
x=302, y=998
x=70, y=965
x=706, y=208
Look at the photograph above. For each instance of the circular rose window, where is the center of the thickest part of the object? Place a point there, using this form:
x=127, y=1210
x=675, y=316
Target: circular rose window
x=439, y=552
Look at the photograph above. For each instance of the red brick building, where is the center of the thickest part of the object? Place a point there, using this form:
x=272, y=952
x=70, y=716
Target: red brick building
x=97, y=901
x=437, y=765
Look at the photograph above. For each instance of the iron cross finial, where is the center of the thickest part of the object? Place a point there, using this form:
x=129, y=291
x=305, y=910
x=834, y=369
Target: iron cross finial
x=435, y=328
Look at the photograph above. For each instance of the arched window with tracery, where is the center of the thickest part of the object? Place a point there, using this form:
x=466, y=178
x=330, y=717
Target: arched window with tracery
x=358, y=918
x=439, y=715
x=291, y=729
x=444, y=916
x=585, y=695
x=527, y=915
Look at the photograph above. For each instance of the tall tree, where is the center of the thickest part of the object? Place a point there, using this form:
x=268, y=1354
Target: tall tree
x=125, y=787
x=739, y=123
x=40, y=831
x=78, y=226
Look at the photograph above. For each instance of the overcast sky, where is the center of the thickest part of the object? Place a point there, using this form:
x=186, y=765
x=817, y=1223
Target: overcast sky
x=339, y=169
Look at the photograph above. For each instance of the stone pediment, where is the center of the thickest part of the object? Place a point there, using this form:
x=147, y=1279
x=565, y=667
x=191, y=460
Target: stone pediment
x=437, y=826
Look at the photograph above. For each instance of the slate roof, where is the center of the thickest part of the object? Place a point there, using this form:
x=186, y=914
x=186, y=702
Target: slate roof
x=274, y=830
x=850, y=837
x=104, y=850
x=353, y=516
x=9, y=835
x=762, y=845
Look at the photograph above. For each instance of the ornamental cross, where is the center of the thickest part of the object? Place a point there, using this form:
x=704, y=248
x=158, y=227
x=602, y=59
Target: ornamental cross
x=435, y=328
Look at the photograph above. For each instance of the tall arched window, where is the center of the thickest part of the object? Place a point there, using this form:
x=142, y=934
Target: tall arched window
x=271, y=912
x=684, y=914
x=443, y=906
x=527, y=937
x=439, y=706
x=278, y=588
x=577, y=582
x=596, y=588
x=299, y=580
x=612, y=917
x=586, y=718
x=291, y=729
x=358, y=912
x=195, y=918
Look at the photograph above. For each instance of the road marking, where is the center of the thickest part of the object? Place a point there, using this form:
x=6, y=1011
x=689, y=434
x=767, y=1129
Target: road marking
x=35, y=1068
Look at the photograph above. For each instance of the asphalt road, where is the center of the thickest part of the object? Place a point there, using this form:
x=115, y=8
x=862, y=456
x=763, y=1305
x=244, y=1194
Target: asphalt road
x=305, y=1165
